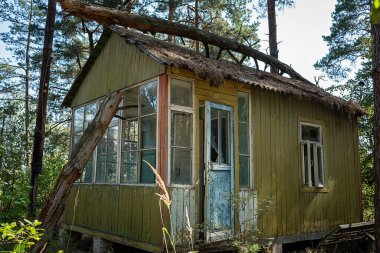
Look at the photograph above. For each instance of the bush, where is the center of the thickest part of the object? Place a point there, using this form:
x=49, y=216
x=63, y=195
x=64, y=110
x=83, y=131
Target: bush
x=19, y=238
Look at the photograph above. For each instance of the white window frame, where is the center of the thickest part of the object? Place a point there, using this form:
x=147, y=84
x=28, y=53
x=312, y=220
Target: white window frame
x=72, y=134
x=137, y=183
x=185, y=109
x=250, y=143
x=117, y=151
x=316, y=144
x=120, y=140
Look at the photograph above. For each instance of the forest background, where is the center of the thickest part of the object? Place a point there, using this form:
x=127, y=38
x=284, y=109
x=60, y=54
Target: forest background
x=346, y=67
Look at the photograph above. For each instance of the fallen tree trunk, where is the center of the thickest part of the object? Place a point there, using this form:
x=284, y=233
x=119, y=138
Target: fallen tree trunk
x=52, y=212
x=108, y=16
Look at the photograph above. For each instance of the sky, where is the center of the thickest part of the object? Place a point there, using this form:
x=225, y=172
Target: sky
x=299, y=32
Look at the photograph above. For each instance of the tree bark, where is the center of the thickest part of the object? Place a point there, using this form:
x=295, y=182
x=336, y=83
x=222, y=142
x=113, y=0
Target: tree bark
x=196, y=22
x=272, y=26
x=376, y=91
x=54, y=207
x=39, y=133
x=171, y=12
x=108, y=16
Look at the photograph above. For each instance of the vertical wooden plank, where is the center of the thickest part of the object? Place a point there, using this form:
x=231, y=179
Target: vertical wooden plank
x=241, y=212
x=147, y=206
x=135, y=214
x=87, y=196
x=174, y=215
x=117, y=215
x=140, y=218
x=265, y=180
x=186, y=205
x=193, y=211
x=286, y=170
x=120, y=222
x=129, y=211
x=79, y=206
x=257, y=148
x=156, y=220
x=282, y=154
x=180, y=215
x=273, y=126
x=348, y=164
x=296, y=112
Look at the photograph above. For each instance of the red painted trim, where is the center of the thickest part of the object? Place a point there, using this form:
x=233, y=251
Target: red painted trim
x=163, y=127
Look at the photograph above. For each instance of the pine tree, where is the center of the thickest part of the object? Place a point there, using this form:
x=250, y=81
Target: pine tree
x=349, y=60
x=268, y=9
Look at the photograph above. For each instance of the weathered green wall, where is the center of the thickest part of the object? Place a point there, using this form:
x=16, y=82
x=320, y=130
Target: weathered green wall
x=118, y=66
x=277, y=167
x=120, y=210
x=132, y=212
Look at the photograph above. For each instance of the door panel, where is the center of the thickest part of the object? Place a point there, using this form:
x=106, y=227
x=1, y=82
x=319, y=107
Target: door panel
x=219, y=171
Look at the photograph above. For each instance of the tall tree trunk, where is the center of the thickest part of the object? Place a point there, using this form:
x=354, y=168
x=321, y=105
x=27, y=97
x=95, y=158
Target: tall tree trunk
x=171, y=16
x=108, y=16
x=196, y=22
x=376, y=91
x=54, y=207
x=39, y=133
x=27, y=67
x=273, y=51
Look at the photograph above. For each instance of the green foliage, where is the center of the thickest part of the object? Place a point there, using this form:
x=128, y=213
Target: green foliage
x=22, y=237
x=232, y=19
x=71, y=48
x=280, y=5
x=350, y=60
x=375, y=12
x=246, y=247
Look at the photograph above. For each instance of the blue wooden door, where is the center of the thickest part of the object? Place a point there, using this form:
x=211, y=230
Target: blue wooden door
x=219, y=170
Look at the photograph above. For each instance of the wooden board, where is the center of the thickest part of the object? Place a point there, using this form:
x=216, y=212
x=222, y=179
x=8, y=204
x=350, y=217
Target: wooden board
x=118, y=66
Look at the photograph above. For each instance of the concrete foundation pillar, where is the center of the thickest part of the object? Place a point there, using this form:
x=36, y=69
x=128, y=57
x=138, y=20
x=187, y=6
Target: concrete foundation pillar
x=100, y=245
x=276, y=248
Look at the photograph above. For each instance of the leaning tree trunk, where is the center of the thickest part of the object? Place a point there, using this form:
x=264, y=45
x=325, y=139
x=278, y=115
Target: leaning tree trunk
x=272, y=26
x=108, y=16
x=52, y=212
x=376, y=132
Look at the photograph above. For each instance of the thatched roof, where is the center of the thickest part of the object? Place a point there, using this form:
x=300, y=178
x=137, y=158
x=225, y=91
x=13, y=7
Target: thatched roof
x=216, y=71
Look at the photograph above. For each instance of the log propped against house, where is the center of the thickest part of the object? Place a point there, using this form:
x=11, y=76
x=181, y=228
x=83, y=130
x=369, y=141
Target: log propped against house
x=109, y=16
x=53, y=209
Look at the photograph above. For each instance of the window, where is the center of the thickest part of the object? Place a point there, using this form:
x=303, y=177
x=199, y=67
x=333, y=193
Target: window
x=139, y=134
x=220, y=146
x=83, y=116
x=244, y=140
x=106, y=155
x=181, y=131
x=312, y=155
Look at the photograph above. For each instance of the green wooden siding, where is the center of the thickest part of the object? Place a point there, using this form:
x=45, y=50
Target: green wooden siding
x=118, y=66
x=125, y=211
x=277, y=167
x=132, y=212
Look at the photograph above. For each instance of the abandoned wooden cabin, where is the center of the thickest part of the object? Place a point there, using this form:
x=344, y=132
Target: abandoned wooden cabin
x=221, y=151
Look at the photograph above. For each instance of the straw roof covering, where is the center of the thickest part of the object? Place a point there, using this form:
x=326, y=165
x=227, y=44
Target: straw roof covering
x=216, y=71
